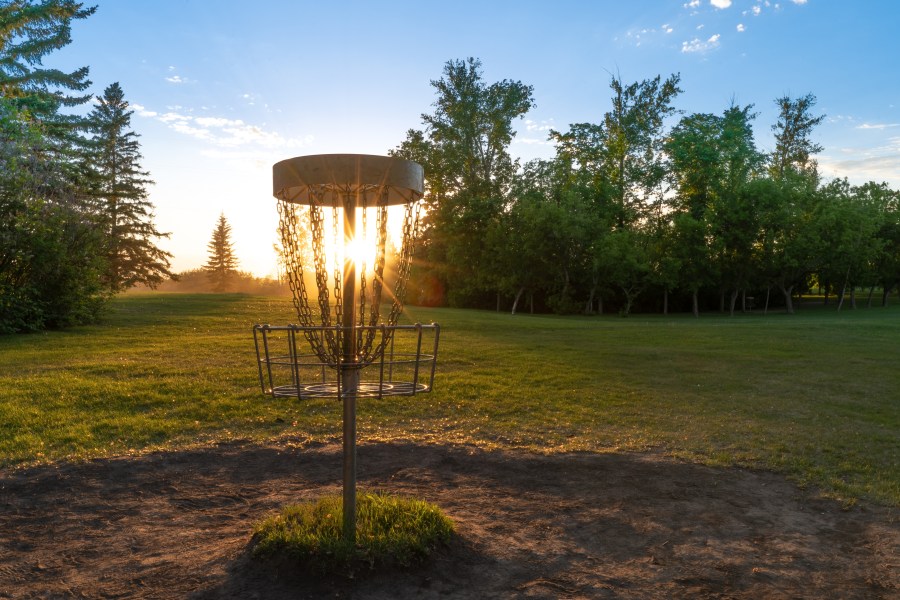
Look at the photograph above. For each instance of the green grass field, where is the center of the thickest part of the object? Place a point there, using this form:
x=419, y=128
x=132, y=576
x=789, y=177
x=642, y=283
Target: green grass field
x=815, y=395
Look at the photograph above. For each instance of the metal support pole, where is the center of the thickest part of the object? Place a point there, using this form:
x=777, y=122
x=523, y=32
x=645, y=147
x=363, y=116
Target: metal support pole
x=349, y=369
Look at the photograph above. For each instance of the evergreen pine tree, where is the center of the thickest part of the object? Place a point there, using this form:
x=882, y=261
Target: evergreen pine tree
x=221, y=267
x=120, y=192
x=28, y=32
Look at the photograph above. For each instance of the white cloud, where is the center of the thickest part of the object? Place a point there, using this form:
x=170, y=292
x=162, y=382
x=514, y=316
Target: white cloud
x=697, y=45
x=542, y=126
x=692, y=4
x=217, y=122
x=667, y=28
x=756, y=10
x=172, y=117
x=223, y=132
x=878, y=125
x=142, y=111
x=799, y=1
x=176, y=79
x=741, y=28
x=720, y=4
x=885, y=167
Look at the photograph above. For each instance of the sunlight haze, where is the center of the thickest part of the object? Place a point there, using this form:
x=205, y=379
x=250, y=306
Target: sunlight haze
x=222, y=90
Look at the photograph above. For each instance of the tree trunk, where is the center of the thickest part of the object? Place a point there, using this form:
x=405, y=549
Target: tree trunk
x=590, y=303
x=666, y=301
x=853, y=297
x=844, y=289
x=695, y=304
x=733, y=301
x=766, y=309
x=599, y=305
x=788, y=298
x=871, y=293
x=886, y=295
x=531, y=301
x=516, y=301
x=722, y=302
x=498, y=301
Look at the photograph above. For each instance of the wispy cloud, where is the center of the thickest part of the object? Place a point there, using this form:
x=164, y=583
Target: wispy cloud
x=177, y=79
x=534, y=129
x=535, y=126
x=870, y=168
x=698, y=45
x=877, y=125
x=223, y=132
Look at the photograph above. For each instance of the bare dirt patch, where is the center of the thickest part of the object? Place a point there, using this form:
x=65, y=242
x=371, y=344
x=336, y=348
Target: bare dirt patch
x=177, y=525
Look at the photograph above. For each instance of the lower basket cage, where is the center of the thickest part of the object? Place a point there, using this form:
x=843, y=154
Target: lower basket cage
x=405, y=367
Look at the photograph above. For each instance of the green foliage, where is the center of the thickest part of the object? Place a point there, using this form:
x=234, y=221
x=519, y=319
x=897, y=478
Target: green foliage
x=50, y=250
x=792, y=160
x=464, y=150
x=629, y=207
x=61, y=253
x=389, y=532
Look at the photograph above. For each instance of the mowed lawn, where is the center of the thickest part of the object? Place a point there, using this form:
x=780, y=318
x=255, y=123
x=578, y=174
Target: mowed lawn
x=815, y=395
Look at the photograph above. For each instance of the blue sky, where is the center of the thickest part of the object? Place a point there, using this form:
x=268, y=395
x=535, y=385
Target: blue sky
x=223, y=89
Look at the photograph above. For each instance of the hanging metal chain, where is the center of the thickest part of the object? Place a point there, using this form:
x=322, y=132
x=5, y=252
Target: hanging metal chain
x=292, y=241
x=410, y=235
x=360, y=243
x=323, y=334
x=370, y=353
x=338, y=267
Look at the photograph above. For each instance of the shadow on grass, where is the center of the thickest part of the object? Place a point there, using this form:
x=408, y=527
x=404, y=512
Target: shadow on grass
x=178, y=524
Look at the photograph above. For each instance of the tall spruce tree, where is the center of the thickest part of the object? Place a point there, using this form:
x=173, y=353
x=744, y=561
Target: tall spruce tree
x=29, y=31
x=221, y=267
x=120, y=193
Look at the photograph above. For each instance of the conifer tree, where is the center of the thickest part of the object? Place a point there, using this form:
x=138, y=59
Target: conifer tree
x=221, y=267
x=28, y=32
x=120, y=194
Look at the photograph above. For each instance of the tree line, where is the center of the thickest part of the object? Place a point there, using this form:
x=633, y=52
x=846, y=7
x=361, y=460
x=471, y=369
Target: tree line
x=646, y=209
x=76, y=225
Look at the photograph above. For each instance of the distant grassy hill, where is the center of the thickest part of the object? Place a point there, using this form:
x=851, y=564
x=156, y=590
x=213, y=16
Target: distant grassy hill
x=196, y=281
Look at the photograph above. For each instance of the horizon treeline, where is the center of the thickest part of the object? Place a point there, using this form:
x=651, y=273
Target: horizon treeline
x=649, y=207
x=76, y=225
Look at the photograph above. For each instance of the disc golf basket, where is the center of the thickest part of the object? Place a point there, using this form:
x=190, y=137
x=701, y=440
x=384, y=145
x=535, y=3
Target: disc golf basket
x=341, y=346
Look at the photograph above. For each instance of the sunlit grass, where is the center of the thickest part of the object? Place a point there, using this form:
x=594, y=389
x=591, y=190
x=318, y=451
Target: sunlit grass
x=813, y=395
x=390, y=531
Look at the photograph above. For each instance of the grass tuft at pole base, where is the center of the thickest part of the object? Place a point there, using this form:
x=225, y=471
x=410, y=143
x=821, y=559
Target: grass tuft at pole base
x=390, y=532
